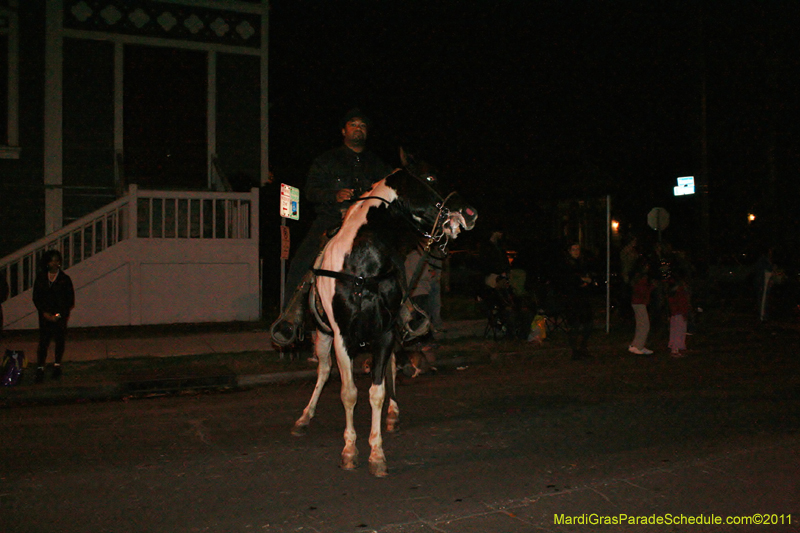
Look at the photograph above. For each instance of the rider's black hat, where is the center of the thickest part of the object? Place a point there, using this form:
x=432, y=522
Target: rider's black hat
x=353, y=113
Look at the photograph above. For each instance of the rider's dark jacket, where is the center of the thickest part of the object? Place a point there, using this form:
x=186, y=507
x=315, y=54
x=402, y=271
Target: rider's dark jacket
x=341, y=168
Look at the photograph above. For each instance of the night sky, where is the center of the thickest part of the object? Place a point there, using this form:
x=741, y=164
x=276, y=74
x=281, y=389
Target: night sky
x=519, y=103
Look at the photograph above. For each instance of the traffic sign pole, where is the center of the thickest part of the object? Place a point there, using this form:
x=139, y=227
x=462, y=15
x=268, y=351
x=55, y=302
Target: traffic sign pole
x=284, y=228
x=289, y=208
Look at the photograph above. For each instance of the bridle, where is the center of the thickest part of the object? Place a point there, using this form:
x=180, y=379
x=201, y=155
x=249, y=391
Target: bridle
x=436, y=232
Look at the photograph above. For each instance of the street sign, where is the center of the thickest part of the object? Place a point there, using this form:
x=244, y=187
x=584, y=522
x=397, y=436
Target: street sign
x=290, y=202
x=685, y=186
x=658, y=218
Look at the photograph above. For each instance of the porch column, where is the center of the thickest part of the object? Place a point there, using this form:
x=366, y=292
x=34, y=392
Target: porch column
x=265, y=93
x=119, y=119
x=211, y=116
x=53, y=112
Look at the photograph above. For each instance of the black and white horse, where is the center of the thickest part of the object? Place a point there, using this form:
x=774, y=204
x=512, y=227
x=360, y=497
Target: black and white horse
x=360, y=287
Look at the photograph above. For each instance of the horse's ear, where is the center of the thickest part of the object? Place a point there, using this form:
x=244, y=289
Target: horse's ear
x=407, y=159
x=403, y=158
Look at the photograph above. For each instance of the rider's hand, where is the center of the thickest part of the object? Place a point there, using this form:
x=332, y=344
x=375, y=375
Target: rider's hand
x=344, y=194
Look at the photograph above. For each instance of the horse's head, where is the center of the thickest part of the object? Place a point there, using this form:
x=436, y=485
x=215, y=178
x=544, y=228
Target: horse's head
x=435, y=210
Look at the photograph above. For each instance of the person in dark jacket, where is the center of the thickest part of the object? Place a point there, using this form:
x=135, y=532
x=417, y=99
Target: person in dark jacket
x=494, y=259
x=54, y=298
x=576, y=290
x=334, y=180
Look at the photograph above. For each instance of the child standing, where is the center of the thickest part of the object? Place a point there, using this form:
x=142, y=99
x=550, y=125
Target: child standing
x=678, y=316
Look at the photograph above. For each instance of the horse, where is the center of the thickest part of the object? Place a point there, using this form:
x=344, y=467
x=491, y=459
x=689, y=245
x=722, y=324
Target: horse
x=359, y=294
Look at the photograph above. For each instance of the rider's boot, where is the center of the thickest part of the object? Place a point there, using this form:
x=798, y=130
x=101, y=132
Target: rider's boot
x=284, y=329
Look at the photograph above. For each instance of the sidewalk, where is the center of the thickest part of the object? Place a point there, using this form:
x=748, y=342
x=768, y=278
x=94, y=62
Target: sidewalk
x=117, y=367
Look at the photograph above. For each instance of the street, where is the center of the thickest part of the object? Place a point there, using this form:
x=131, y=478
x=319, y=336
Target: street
x=504, y=446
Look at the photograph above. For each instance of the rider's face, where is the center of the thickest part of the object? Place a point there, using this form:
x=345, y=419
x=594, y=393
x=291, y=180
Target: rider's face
x=355, y=132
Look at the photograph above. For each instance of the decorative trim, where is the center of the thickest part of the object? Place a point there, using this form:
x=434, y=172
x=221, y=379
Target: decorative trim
x=165, y=20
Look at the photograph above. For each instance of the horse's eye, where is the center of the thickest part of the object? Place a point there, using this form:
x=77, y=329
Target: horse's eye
x=430, y=178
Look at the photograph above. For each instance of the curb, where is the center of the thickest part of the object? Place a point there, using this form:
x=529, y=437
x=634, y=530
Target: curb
x=164, y=386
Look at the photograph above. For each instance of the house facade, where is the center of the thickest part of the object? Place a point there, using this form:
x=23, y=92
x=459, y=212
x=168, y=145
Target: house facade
x=99, y=95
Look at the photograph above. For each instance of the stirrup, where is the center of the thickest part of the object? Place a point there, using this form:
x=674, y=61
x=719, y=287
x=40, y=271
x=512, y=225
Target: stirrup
x=416, y=322
x=283, y=332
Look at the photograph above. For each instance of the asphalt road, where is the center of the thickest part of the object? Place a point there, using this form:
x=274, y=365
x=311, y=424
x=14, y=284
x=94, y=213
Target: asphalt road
x=489, y=448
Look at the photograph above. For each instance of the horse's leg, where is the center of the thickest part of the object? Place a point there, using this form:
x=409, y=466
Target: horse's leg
x=322, y=349
x=393, y=413
x=377, y=459
x=349, y=396
x=377, y=394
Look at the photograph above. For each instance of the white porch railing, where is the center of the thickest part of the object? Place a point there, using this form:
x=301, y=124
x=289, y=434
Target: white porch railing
x=155, y=215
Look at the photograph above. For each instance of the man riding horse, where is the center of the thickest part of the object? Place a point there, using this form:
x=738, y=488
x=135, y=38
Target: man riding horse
x=360, y=291
x=335, y=178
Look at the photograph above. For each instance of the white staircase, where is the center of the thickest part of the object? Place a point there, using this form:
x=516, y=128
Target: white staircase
x=151, y=257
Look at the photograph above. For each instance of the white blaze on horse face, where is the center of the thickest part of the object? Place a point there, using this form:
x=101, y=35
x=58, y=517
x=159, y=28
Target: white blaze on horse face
x=452, y=226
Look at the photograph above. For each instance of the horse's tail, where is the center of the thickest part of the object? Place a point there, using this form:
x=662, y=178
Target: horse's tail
x=370, y=316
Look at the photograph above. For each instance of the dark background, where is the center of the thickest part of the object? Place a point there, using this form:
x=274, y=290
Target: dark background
x=521, y=104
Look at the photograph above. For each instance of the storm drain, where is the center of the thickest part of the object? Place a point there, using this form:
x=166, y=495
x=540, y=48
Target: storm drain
x=178, y=380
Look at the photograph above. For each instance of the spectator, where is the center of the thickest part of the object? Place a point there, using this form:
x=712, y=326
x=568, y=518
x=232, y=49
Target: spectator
x=54, y=298
x=421, y=289
x=436, y=261
x=679, y=307
x=575, y=287
x=627, y=262
x=642, y=288
x=494, y=260
x=420, y=294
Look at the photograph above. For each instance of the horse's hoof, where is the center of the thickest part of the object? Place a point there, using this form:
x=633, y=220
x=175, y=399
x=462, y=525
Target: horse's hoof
x=378, y=469
x=299, y=430
x=393, y=420
x=348, y=464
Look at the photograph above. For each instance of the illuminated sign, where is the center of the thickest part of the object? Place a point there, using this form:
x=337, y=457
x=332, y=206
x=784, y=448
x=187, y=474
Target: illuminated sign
x=685, y=186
